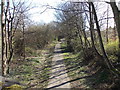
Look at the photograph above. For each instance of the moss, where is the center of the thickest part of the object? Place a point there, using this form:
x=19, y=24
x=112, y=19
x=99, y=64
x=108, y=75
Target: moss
x=1, y=83
x=14, y=87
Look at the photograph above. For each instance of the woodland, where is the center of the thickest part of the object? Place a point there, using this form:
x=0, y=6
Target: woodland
x=89, y=39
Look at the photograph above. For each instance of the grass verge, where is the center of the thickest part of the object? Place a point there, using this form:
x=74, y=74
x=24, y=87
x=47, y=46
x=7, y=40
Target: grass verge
x=33, y=72
x=73, y=62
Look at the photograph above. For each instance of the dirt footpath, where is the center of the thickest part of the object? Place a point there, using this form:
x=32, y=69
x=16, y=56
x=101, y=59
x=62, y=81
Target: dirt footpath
x=59, y=76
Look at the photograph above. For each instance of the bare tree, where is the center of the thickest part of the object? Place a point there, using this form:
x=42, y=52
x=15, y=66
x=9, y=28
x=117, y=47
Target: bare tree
x=107, y=61
x=10, y=18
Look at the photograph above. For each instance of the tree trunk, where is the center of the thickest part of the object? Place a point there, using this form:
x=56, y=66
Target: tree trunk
x=23, y=40
x=6, y=35
x=2, y=36
x=107, y=25
x=116, y=13
x=79, y=35
x=92, y=30
x=114, y=33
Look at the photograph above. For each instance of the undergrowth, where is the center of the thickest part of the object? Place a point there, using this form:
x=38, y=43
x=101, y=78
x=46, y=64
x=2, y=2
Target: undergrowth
x=112, y=50
x=88, y=73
